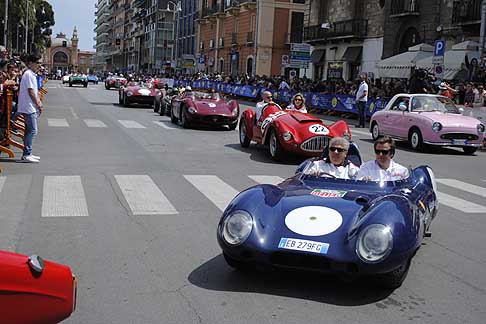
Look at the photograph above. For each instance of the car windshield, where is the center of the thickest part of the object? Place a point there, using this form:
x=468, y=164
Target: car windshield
x=327, y=178
x=426, y=103
x=204, y=95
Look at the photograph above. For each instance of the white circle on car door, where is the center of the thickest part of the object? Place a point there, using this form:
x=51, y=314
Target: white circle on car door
x=318, y=129
x=313, y=220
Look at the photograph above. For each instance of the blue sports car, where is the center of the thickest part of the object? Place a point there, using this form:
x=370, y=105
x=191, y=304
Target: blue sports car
x=92, y=78
x=324, y=224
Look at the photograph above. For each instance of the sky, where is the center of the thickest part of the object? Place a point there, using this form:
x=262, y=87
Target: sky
x=79, y=13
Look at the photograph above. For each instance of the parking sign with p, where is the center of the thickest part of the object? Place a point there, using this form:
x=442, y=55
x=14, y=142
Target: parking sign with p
x=439, y=48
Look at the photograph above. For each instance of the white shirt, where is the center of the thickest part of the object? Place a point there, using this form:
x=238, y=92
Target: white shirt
x=284, y=86
x=362, y=88
x=292, y=107
x=348, y=171
x=373, y=172
x=29, y=81
x=259, y=107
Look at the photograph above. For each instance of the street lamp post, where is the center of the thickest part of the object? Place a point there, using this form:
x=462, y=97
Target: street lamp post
x=27, y=25
x=177, y=9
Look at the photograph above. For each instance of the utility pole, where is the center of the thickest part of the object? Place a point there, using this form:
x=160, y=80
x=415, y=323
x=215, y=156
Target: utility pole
x=5, y=26
x=27, y=25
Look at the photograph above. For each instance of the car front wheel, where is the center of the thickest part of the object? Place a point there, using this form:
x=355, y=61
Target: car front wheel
x=395, y=278
x=275, y=147
x=184, y=121
x=236, y=264
x=415, y=139
x=173, y=118
x=244, y=140
x=469, y=149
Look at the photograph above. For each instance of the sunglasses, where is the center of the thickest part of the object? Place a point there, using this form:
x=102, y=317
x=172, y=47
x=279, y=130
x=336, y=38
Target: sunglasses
x=297, y=99
x=337, y=149
x=269, y=97
x=382, y=152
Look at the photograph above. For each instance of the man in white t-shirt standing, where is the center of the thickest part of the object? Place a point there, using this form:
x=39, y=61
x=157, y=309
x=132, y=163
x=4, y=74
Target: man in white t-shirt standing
x=30, y=106
x=361, y=100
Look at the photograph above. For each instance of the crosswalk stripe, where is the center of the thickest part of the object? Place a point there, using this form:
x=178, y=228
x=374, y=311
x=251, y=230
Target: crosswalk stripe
x=214, y=189
x=263, y=179
x=164, y=125
x=143, y=196
x=130, y=124
x=63, y=196
x=57, y=122
x=460, y=204
x=94, y=123
x=2, y=181
x=477, y=190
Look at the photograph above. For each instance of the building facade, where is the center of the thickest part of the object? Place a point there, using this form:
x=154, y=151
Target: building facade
x=186, y=36
x=347, y=36
x=64, y=55
x=248, y=36
x=102, y=38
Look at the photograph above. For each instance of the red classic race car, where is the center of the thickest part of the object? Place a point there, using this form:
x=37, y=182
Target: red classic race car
x=288, y=131
x=138, y=93
x=115, y=82
x=195, y=107
x=34, y=291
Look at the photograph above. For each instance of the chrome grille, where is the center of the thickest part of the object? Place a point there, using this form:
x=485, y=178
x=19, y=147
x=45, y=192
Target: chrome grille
x=315, y=144
x=465, y=136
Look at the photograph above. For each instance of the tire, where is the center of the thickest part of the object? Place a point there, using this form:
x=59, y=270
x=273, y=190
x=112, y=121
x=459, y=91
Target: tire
x=236, y=264
x=469, y=149
x=184, y=121
x=70, y=84
x=125, y=101
x=275, y=148
x=156, y=106
x=173, y=119
x=85, y=85
x=415, y=139
x=107, y=87
x=244, y=140
x=162, y=109
x=375, y=131
x=233, y=126
x=120, y=101
x=395, y=278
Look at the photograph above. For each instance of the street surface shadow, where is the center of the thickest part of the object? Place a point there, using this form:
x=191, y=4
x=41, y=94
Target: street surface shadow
x=259, y=153
x=104, y=104
x=428, y=149
x=215, y=274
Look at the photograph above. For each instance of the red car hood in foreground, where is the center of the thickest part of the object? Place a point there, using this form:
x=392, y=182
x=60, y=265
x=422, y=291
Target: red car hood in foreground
x=451, y=120
x=30, y=297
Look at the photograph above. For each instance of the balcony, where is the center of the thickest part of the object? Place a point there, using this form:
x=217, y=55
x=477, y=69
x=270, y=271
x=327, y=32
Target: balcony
x=346, y=29
x=234, y=39
x=250, y=37
x=403, y=8
x=248, y=4
x=466, y=12
x=233, y=8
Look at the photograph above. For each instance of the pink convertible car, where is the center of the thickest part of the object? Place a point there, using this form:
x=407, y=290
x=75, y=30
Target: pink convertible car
x=427, y=119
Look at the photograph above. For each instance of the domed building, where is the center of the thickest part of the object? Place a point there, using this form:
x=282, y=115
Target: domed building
x=64, y=55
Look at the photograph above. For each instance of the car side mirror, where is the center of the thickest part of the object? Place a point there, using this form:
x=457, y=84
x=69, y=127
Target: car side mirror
x=402, y=107
x=461, y=110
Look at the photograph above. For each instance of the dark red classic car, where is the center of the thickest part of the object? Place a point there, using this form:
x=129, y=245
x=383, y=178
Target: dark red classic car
x=138, y=93
x=34, y=291
x=195, y=107
x=115, y=82
x=288, y=131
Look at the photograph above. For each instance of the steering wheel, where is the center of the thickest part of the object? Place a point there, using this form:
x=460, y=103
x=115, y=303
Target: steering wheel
x=320, y=174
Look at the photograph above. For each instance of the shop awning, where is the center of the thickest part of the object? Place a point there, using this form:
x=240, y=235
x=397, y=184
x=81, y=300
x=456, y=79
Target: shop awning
x=317, y=56
x=353, y=54
x=400, y=66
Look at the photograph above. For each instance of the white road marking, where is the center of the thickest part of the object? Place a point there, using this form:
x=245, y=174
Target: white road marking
x=214, y=189
x=63, y=196
x=262, y=179
x=57, y=122
x=94, y=123
x=72, y=112
x=477, y=190
x=2, y=181
x=353, y=131
x=143, y=196
x=130, y=124
x=460, y=204
x=164, y=124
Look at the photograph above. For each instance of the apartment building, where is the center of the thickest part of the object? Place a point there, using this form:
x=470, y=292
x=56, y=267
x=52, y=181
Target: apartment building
x=248, y=36
x=347, y=37
x=102, y=38
x=186, y=36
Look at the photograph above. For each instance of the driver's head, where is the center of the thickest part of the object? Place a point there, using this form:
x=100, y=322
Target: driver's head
x=384, y=151
x=267, y=96
x=338, y=149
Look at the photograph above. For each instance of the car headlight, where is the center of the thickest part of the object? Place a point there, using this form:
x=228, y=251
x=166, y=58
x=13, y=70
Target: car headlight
x=436, y=127
x=374, y=243
x=481, y=128
x=235, y=112
x=192, y=110
x=129, y=94
x=287, y=136
x=237, y=227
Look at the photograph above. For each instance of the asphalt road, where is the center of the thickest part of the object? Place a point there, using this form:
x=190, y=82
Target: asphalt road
x=153, y=258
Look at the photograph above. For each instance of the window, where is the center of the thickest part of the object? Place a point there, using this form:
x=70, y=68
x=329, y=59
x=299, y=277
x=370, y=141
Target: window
x=299, y=1
x=249, y=65
x=398, y=101
x=297, y=28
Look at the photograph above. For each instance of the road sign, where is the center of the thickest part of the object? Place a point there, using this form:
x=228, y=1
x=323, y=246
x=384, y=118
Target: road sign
x=439, y=71
x=439, y=48
x=438, y=60
x=299, y=55
x=285, y=60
